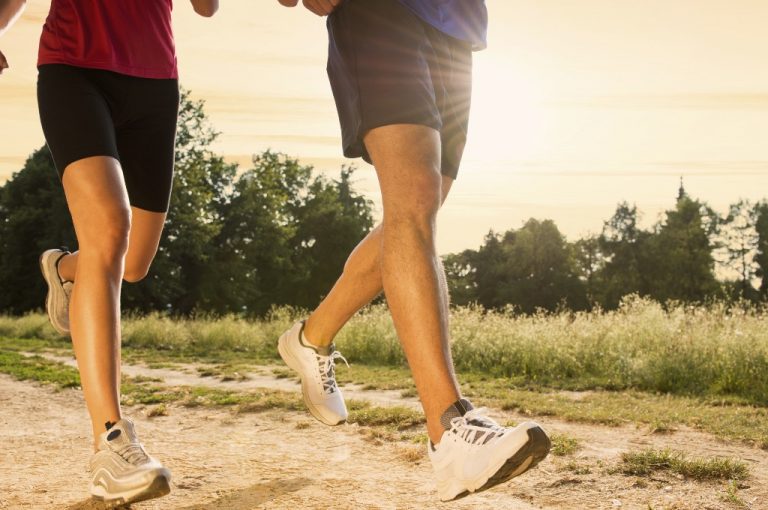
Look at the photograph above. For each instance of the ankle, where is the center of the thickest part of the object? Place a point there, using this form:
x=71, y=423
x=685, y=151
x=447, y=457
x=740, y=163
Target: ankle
x=65, y=269
x=435, y=435
x=437, y=425
x=309, y=337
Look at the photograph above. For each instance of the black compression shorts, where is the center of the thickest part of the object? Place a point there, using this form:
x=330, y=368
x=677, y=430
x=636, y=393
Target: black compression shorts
x=387, y=66
x=92, y=112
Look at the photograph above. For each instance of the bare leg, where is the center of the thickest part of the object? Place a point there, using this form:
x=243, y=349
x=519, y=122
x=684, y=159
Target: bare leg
x=357, y=286
x=101, y=215
x=407, y=162
x=98, y=203
x=144, y=238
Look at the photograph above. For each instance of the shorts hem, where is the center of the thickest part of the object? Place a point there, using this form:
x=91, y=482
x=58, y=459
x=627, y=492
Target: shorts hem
x=357, y=148
x=74, y=159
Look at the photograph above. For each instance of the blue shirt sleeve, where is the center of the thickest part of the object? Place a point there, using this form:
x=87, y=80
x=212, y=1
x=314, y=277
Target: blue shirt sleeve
x=463, y=19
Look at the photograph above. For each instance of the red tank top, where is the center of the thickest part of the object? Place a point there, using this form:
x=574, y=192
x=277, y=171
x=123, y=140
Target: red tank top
x=132, y=37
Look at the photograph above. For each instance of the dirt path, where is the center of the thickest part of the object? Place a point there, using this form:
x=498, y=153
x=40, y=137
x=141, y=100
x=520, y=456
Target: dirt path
x=279, y=460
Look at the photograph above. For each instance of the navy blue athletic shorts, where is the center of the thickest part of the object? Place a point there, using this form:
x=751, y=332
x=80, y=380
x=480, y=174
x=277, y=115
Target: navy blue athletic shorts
x=387, y=66
x=92, y=112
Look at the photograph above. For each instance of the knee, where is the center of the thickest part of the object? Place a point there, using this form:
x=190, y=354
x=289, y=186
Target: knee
x=423, y=211
x=109, y=239
x=135, y=274
x=414, y=210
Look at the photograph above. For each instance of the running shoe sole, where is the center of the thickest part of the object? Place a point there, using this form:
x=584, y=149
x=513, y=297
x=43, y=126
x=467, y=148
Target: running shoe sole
x=159, y=487
x=532, y=452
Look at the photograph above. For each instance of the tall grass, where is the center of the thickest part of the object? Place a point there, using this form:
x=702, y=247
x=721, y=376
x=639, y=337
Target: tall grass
x=208, y=335
x=704, y=350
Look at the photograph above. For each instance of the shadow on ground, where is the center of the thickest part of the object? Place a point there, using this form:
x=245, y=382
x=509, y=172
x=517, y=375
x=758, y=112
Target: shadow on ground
x=250, y=497
x=243, y=499
x=89, y=504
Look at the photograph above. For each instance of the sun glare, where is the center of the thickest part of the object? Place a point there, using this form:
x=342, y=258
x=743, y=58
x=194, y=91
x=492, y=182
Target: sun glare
x=508, y=118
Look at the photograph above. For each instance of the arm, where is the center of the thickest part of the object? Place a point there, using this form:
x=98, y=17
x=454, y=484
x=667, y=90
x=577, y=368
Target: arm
x=319, y=7
x=205, y=8
x=9, y=12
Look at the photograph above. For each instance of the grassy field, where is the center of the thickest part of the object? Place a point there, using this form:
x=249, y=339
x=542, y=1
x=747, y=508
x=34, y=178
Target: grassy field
x=703, y=367
x=695, y=351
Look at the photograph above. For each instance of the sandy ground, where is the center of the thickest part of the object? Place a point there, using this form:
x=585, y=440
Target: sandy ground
x=286, y=460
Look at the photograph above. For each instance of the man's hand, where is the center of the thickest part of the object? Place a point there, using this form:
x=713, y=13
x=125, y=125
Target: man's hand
x=3, y=62
x=319, y=7
x=206, y=8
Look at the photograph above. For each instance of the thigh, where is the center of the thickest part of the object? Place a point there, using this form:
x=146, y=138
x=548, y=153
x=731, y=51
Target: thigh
x=146, y=142
x=407, y=162
x=97, y=199
x=75, y=115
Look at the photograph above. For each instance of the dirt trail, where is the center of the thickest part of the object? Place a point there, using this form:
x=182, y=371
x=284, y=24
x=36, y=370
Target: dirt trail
x=279, y=460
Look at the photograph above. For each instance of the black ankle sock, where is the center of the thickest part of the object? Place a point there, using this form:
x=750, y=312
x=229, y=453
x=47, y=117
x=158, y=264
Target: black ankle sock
x=456, y=410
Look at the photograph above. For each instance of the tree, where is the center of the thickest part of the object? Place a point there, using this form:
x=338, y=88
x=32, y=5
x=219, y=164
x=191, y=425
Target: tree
x=761, y=250
x=590, y=262
x=253, y=249
x=331, y=221
x=623, y=244
x=738, y=247
x=461, y=277
x=529, y=268
x=680, y=254
x=285, y=237
x=33, y=218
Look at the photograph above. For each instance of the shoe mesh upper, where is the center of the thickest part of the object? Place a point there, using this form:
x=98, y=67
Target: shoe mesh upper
x=475, y=427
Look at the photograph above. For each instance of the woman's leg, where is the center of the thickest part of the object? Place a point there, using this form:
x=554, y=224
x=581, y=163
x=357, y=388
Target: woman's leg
x=143, y=241
x=98, y=203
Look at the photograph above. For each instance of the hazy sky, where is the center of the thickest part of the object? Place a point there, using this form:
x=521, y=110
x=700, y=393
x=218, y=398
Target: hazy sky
x=577, y=105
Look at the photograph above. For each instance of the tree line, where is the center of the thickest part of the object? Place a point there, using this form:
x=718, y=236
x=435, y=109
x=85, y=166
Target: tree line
x=691, y=255
x=243, y=241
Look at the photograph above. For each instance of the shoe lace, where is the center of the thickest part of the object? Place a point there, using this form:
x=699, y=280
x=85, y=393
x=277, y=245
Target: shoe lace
x=475, y=427
x=134, y=454
x=327, y=367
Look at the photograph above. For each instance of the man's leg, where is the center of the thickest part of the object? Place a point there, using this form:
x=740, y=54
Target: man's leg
x=357, y=286
x=407, y=162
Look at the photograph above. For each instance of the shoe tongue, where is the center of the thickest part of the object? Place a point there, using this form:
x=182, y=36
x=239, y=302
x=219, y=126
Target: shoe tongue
x=456, y=410
x=121, y=434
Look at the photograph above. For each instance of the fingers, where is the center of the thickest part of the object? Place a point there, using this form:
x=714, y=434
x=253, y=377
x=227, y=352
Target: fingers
x=288, y=3
x=321, y=7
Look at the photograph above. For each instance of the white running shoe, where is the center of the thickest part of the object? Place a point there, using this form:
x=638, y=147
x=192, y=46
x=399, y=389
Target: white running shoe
x=477, y=453
x=122, y=472
x=57, y=300
x=317, y=371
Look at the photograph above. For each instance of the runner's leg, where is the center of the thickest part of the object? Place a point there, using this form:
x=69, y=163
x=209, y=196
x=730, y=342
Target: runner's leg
x=357, y=286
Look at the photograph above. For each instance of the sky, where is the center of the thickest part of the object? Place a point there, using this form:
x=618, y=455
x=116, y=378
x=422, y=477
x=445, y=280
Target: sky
x=577, y=105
